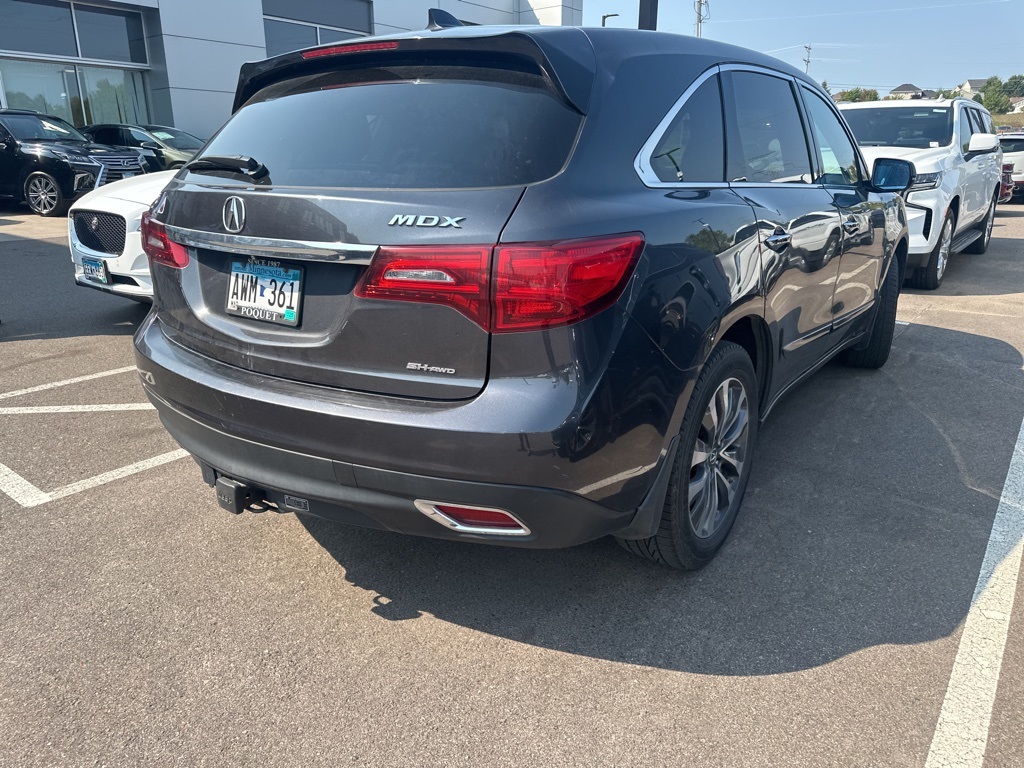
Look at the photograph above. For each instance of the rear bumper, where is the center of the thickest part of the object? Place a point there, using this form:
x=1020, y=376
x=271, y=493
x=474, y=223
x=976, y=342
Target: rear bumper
x=366, y=459
x=384, y=499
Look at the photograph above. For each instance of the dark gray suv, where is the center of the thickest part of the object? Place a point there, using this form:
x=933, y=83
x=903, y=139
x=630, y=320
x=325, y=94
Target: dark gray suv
x=521, y=285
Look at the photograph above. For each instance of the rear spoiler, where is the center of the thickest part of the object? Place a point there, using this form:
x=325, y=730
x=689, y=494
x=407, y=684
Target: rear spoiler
x=563, y=55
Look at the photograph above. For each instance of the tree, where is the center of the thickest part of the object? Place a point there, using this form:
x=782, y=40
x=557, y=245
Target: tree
x=861, y=94
x=1014, y=86
x=824, y=85
x=994, y=98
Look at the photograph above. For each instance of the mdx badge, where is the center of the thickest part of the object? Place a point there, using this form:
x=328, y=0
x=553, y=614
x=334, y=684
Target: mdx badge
x=234, y=214
x=412, y=220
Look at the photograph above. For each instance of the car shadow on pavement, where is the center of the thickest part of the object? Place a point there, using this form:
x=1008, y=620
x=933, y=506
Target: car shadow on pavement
x=864, y=524
x=40, y=300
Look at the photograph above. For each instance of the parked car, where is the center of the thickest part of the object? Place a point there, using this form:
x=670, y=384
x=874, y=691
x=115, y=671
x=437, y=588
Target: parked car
x=952, y=143
x=1006, y=184
x=1013, y=153
x=165, y=148
x=48, y=163
x=104, y=236
x=445, y=295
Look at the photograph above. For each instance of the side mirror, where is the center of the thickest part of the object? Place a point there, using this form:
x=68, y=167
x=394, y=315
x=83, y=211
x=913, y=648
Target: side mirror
x=150, y=145
x=983, y=142
x=892, y=175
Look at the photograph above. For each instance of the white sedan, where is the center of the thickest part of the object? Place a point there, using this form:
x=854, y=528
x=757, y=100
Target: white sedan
x=103, y=233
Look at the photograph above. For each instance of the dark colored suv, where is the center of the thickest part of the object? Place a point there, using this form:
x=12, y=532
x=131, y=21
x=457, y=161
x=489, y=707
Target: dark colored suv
x=48, y=163
x=163, y=147
x=522, y=285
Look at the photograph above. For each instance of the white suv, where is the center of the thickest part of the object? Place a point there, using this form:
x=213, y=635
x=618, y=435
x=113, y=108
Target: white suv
x=952, y=143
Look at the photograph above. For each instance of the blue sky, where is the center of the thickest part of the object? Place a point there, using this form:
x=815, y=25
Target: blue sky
x=874, y=43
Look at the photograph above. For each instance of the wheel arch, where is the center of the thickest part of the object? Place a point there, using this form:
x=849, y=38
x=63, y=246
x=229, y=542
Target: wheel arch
x=751, y=333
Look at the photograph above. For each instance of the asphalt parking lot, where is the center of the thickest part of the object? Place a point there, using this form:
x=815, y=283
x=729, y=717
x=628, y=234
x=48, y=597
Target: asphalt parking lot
x=142, y=625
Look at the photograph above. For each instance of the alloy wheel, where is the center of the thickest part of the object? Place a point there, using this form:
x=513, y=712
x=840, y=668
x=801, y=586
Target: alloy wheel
x=990, y=222
x=719, y=456
x=42, y=194
x=945, y=244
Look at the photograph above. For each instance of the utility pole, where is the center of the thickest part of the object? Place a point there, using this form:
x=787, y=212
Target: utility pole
x=648, y=14
x=606, y=16
x=703, y=8
x=807, y=61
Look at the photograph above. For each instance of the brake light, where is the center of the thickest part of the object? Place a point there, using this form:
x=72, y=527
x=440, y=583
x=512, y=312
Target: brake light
x=159, y=247
x=334, y=50
x=455, y=276
x=550, y=284
x=536, y=285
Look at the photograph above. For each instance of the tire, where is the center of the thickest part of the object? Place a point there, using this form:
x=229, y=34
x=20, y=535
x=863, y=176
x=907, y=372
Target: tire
x=879, y=343
x=44, y=196
x=929, y=277
x=980, y=245
x=726, y=386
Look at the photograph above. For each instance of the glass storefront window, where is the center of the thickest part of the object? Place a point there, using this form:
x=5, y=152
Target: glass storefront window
x=37, y=26
x=79, y=94
x=113, y=95
x=48, y=88
x=283, y=36
x=105, y=33
x=328, y=35
x=48, y=27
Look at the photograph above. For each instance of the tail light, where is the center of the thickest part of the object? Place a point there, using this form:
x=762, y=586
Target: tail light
x=535, y=285
x=159, y=247
x=335, y=50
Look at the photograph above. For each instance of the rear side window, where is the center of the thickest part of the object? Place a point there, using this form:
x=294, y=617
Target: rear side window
x=693, y=147
x=1012, y=145
x=404, y=128
x=768, y=142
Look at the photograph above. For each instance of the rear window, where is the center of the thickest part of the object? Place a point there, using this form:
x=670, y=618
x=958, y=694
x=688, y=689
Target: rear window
x=403, y=128
x=913, y=127
x=1012, y=145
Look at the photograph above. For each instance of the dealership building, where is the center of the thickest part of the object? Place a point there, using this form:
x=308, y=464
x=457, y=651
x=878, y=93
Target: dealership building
x=175, y=62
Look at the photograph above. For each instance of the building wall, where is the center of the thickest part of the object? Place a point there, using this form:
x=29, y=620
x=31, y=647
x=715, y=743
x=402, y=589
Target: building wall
x=405, y=15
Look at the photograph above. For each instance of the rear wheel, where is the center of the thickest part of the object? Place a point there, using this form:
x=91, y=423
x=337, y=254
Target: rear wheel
x=712, y=465
x=43, y=195
x=980, y=245
x=930, y=275
x=879, y=343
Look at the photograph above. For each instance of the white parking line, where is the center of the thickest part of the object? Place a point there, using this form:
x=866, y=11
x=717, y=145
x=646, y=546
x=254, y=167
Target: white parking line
x=65, y=382
x=962, y=730
x=28, y=409
x=27, y=495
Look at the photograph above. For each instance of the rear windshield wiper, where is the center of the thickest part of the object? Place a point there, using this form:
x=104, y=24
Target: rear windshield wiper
x=249, y=166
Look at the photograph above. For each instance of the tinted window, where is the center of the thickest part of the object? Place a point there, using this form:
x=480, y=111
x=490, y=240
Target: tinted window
x=108, y=34
x=837, y=156
x=283, y=37
x=352, y=14
x=1012, y=145
x=421, y=132
x=915, y=127
x=37, y=26
x=693, y=147
x=27, y=127
x=769, y=144
x=106, y=136
x=334, y=35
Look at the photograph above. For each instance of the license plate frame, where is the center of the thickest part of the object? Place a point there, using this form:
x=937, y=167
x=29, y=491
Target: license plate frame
x=266, y=290
x=95, y=270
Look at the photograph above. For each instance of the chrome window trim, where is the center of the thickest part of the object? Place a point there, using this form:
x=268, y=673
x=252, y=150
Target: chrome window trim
x=303, y=250
x=642, y=163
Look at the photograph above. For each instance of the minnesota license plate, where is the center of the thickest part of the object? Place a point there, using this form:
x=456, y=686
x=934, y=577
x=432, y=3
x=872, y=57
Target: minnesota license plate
x=95, y=269
x=264, y=289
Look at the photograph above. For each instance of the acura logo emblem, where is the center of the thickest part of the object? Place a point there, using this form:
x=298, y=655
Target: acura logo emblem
x=234, y=214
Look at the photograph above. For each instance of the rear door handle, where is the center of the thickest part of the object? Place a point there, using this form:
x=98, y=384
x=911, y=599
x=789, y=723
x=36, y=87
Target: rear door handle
x=779, y=241
x=851, y=226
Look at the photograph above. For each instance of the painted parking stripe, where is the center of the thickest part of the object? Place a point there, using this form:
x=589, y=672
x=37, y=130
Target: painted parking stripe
x=30, y=409
x=27, y=495
x=65, y=382
x=962, y=730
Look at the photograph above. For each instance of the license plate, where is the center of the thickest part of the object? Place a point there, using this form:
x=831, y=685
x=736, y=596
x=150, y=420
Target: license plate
x=267, y=290
x=95, y=269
